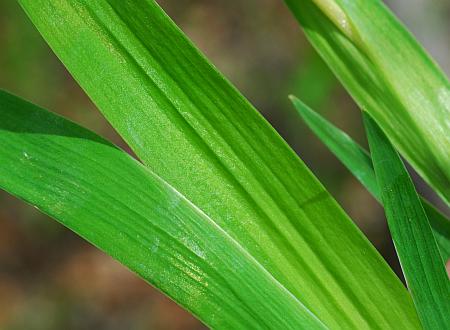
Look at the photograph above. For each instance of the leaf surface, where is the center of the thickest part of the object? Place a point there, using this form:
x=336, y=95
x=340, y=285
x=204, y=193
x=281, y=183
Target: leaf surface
x=389, y=75
x=117, y=204
x=193, y=129
x=358, y=162
x=414, y=242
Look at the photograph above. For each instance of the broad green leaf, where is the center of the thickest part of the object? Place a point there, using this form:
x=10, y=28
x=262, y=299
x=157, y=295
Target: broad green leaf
x=389, y=75
x=414, y=242
x=193, y=129
x=117, y=204
x=358, y=161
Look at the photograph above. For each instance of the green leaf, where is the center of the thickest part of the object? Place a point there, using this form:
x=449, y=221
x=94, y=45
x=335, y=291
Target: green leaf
x=193, y=129
x=358, y=161
x=117, y=204
x=389, y=75
x=416, y=247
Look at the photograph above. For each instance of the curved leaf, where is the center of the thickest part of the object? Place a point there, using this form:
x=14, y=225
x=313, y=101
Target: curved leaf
x=389, y=75
x=117, y=204
x=193, y=129
x=358, y=161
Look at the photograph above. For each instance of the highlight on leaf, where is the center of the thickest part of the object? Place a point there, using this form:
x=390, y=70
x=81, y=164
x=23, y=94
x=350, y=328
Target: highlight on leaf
x=117, y=204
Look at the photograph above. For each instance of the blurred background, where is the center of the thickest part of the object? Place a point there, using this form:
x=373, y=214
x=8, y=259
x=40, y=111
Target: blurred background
x=52, y=279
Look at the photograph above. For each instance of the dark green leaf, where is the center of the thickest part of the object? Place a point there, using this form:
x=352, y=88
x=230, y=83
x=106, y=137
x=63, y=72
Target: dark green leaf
x=414, y=242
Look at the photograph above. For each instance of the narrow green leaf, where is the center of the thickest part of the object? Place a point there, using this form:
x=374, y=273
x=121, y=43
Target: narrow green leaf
x=389, y=75
x=441, y=229
x=193, y=129
x=117, y=204
x=416, y=247
x=358, y=161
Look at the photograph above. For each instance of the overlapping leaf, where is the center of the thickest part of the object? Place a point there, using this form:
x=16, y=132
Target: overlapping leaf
x=358, y=161
x=414, y=242
x=117, y=204
x=192, y=128
x=389, y=75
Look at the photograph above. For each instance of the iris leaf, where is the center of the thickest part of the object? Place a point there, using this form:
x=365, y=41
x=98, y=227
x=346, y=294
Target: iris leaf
x=117, y=204
x=389, y=75
x=359, y=163
x=414, y=242
x=192, y=128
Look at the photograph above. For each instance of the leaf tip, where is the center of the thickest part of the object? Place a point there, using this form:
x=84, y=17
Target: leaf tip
x=292, y=97
x=299, y=105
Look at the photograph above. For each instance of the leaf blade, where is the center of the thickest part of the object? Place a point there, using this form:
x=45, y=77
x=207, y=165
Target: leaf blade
x=389, y=75
x=358, y=162
x=192, y=128
x=414, y=242
x=111, y=200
